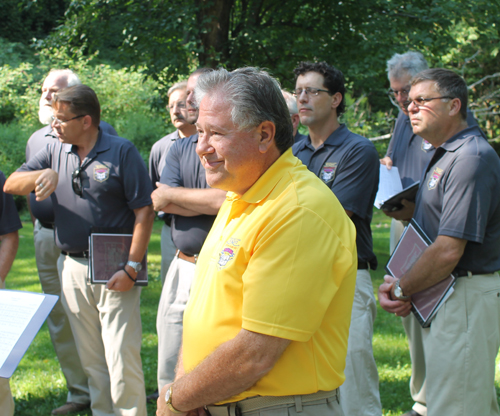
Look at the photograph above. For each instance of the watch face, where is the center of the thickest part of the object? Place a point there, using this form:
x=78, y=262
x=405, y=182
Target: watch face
x=167, y=395
x=397, y=292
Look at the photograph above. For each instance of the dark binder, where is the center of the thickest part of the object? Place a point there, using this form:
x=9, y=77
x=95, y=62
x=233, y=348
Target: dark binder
x=108, y=253
x=427, y=302
x=394, y=202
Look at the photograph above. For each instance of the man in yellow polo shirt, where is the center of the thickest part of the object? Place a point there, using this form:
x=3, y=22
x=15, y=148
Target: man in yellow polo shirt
x=266, y=326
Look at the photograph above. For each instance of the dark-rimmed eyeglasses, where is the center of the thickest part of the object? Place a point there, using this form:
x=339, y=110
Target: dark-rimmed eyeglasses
x=57, y=121
x=420, y=101
x=76, y=182
x=309, y=91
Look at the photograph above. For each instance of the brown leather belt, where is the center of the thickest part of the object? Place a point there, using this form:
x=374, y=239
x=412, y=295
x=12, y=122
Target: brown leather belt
x=190, y=259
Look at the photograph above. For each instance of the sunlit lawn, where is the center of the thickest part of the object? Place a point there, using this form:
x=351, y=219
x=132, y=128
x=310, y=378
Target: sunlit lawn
x=39, y=386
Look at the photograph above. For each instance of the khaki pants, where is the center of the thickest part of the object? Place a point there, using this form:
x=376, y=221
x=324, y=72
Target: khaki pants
x=107, y=330
x=6, y=399
x=459, y=351
x=167, y=251
x=360, y=391
x=47, y=254
x=174, y=296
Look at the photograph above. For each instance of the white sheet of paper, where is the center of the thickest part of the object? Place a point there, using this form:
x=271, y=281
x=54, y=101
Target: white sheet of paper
x=17, y=310
x=389, y=185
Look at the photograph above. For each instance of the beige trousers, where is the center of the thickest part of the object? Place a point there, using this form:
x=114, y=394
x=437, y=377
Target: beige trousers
x=107, y=330
x=360, y=392
x=174, y=296
x=6, y=399
x=46, y=255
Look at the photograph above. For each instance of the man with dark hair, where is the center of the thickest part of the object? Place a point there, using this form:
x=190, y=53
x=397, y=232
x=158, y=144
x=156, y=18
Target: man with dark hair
x=458, y=207
x=96, y=180
x=348, y=164
x=178, y=116
x=47, y=253
x=265, y=330
x=183, y=192
x=10, y=224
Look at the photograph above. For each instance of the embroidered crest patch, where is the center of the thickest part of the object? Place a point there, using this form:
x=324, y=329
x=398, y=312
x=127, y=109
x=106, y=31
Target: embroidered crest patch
x=434, y=179
x=426, y=146
x=228, y=252
x=101, y=173
x=328, y=172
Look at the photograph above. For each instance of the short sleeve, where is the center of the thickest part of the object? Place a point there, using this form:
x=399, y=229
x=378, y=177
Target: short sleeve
x=356, y=179
x=171, y=174
x=136, y=182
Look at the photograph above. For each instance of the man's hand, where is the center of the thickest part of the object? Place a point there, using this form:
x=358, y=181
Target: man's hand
x=160, y=196
x=46, y=184
x=163, y=410
x=120, y=282
x=404, y=214
x=387, y=161
x=397, y=307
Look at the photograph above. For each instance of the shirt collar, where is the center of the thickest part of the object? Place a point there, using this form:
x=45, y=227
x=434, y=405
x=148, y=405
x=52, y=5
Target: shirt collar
x=461, y=138
x=269, y=179
x=337, y=138
x=102, y=144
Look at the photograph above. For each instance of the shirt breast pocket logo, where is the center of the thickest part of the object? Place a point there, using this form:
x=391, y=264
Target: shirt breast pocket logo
x=434, y=179
x=101, y=173
x=228, y=252
x=328, y=172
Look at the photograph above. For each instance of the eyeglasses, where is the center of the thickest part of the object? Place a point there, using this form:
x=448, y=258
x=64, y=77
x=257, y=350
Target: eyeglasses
x=57, y=121
x=313, y=91
x=420, y=101
x=395, y=93
x=76, y=181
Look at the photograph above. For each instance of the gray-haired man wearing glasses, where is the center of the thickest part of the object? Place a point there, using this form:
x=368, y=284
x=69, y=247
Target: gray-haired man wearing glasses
x=101, y=181
x=47, y=253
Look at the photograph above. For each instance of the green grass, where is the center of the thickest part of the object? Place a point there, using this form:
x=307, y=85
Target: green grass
x=38, y=384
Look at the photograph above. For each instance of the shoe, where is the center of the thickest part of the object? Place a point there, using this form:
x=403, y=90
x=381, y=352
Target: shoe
x=412, y=413
x=70, y=407
x=153, y=397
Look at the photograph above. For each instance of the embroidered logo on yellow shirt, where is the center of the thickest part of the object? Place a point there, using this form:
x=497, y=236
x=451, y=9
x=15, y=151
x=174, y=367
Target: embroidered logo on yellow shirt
x=228, y=252
x=328, y=172
x=101, y=173
x=434, y=179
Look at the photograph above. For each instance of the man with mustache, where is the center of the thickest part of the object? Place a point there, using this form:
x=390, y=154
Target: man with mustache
x=348, y=164
x=458, y=207
x=179, y=117
x=183, y=192
x=47, y=253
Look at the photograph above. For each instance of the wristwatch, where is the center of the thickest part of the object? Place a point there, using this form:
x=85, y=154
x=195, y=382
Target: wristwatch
x=398, y=292
x=135, y=265
x=168, y=401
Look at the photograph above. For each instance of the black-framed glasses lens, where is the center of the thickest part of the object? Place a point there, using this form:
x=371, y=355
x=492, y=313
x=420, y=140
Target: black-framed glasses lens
x=76, y=182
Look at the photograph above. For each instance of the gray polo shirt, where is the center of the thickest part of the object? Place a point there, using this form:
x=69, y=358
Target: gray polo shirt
x=158, y=156
x=9, y=218
x=43, y=210
x=349, y=165
x=115, y=182
x=411, y=153
x=459, y=196
x=183, y=168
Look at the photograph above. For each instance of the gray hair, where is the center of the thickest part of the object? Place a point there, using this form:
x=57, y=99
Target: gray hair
x=291, y=102
x=409, y=63
x=71, y=77
x=448, y=84
x=254, y=97
x=182, y=85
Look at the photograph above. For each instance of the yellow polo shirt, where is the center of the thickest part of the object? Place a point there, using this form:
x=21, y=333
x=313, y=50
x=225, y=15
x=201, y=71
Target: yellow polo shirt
x=280, y=260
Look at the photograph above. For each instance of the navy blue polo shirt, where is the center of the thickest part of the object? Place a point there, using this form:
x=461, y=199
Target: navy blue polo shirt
x=459, y=196
x=349, y=165
x=411, y=153
x=158, y=156
x=183, y=168
x=115, y=182
x=9, y=218
x=43, y=210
